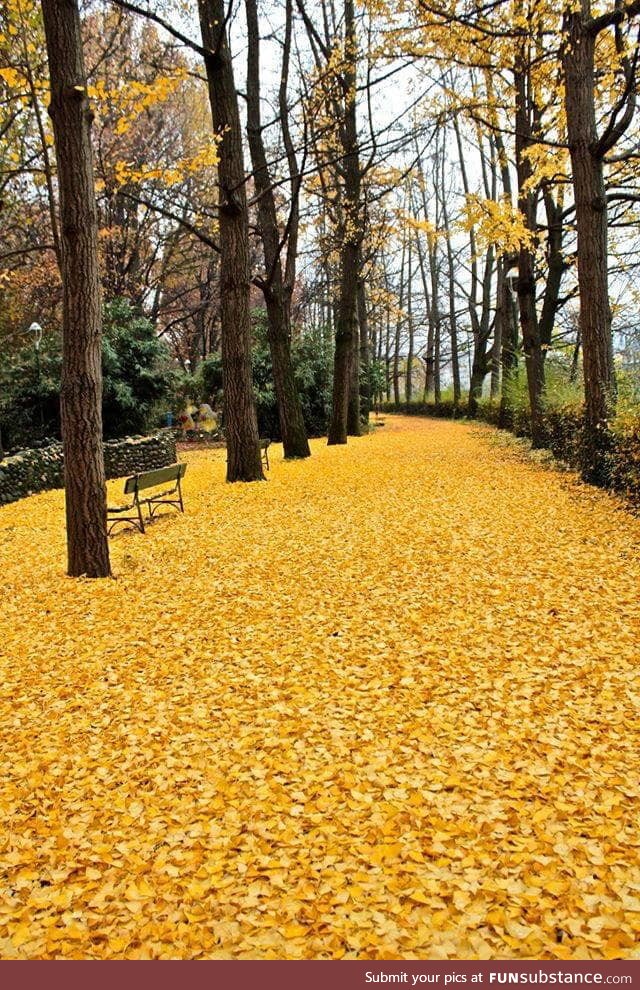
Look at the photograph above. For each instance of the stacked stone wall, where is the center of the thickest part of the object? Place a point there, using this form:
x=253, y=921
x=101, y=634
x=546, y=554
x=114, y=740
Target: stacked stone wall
x=30, y=471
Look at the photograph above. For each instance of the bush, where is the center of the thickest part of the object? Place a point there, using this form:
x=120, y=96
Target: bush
x=311, y=356
x=446, y=409
x=30, y=394
x=624, y=456
x=138, y=380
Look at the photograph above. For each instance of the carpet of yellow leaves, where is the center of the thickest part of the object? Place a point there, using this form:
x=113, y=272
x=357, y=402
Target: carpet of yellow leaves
x=384, y=705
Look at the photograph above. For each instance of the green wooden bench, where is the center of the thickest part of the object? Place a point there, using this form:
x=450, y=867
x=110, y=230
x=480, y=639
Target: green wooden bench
x=264, y=444
x=143, y=482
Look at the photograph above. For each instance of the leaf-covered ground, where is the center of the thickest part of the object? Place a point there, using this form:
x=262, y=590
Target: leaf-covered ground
x=385, y=705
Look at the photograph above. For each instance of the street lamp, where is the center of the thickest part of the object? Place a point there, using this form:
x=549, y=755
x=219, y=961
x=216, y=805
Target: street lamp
x=36, y=330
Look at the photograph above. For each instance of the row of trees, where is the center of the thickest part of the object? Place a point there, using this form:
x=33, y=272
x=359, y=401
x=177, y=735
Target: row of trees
x=509, y=146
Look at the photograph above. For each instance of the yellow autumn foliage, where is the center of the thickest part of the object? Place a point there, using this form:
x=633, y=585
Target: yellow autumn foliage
x=496, y=222
x=383, y=705
x=131, y=97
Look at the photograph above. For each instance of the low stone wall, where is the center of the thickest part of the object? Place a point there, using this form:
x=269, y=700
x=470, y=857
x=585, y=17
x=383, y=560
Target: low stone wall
x=31, y=471
x=135, y=454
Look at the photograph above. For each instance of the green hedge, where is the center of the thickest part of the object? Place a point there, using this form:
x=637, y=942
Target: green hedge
x=437, y=410
x=625, y=457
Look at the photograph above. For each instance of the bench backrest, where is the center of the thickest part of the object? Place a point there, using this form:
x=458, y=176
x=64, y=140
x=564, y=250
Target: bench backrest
x=151, y=479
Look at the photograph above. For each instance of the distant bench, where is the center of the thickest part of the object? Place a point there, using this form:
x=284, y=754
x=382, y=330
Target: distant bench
x=143, y=482
x=217, y=439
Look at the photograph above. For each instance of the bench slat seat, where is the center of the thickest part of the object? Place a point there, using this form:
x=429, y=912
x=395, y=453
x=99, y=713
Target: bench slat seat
x=142, y=482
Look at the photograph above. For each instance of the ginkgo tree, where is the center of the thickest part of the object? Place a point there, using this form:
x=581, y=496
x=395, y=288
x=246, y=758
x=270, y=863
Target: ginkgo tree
x=244, y=462
x=81, y=390
x=591, y=135
x=279, y=246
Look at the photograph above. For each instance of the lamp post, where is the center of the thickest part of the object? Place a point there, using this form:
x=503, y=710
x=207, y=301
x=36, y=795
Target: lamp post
x=36, y=330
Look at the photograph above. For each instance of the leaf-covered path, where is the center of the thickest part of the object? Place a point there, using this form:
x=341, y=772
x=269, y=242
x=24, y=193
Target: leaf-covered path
x=385, y=705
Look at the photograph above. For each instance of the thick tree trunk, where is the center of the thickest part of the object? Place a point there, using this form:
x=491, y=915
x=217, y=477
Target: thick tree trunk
x=347, y=322
x=243, y=452
x=526, y=260
x=591, y=225
x=346, y=330
x=81, y=391
x=277, y=298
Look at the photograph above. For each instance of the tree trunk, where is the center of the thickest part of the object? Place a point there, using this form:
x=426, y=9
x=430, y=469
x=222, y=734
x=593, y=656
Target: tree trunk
x=591, y=225
x=277, y=299
x=345, y=325
x=481, y=334
x=435, y=321
x=527, y=202
x=387, y=338
x=453, y=329
x=366, y=347
x=437, y=346
x=408, y=389
x=496, y=349
x=244, y=462
x=81, y=390
x=575, y=358
x=351, y=236
x=556, y=267
x=354, y=419
x=396, y=341
x=509, y=351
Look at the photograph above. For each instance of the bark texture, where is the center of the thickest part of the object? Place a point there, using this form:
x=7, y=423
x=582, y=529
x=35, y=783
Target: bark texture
x=241, y=424
x=81, y=390
x=346, y=350
x=591, y=225
x=277, y=293
x=527, y=203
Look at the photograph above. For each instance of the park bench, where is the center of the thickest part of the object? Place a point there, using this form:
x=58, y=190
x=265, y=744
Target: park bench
x=264, y=444
x=218, y=439
x=144, y=482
